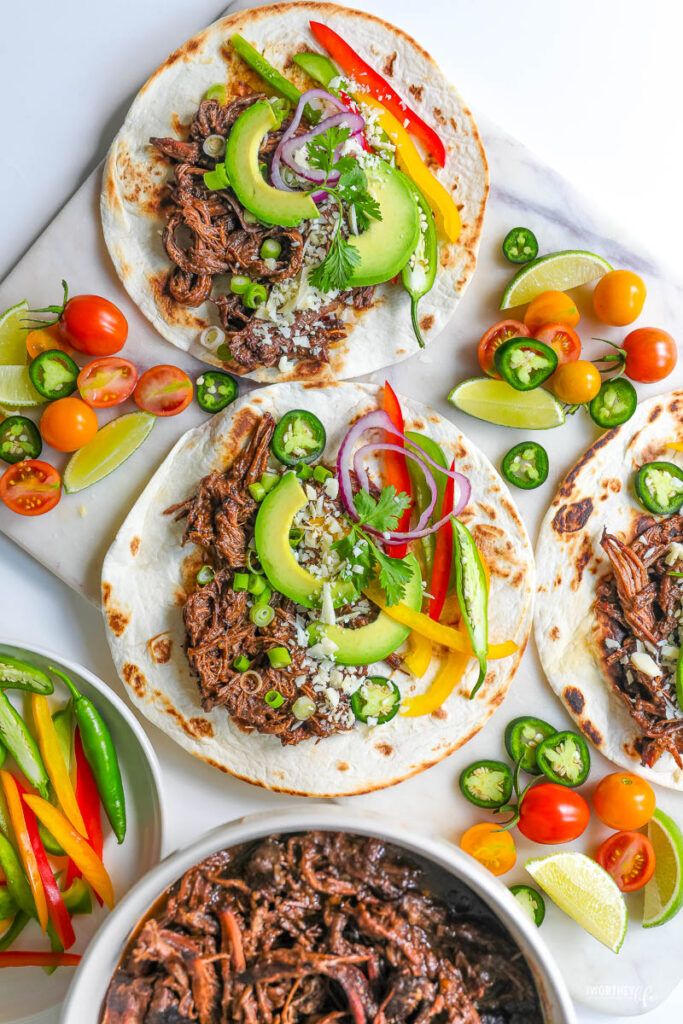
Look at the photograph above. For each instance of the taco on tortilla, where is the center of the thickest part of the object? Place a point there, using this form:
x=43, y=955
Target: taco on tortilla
x=287, y=215
x=278, y=599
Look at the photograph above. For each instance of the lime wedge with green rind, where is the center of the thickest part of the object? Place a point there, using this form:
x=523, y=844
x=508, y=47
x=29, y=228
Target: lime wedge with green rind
x=16, y=389
x=110, y=446
x=558, y=271
x=584, y=890
x=497, y=402
x=664, y=891
x=13, y=336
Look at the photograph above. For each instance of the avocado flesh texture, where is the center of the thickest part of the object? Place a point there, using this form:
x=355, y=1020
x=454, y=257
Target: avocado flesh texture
x=269, y=204
x=387, y=244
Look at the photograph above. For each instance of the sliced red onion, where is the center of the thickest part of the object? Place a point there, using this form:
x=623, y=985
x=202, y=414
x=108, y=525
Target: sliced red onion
x=354, y=122
x=312, y=94
x=429, y=477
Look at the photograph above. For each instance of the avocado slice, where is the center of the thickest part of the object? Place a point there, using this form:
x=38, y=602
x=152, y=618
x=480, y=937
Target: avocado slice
x=387, y=244
x=269, y=204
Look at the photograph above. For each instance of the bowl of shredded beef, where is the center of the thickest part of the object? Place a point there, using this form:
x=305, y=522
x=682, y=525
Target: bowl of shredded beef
x=318, y=916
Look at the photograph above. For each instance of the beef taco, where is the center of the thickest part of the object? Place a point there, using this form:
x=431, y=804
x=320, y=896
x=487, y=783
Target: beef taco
x=275, y=208
x=322, y=590
x=609, y=611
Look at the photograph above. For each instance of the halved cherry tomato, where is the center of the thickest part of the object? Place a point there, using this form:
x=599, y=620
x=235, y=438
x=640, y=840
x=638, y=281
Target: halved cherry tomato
x=553, y=814
x=624, y=801
x=93, y=325
x=68, y=424
x=629, y=857
x=651, y=354
x=493, y=848
x=551, y=308
x=619, y=297
x=577, y=382
x=106, y=382
x=164, y=390
x=493, y=338
x=46, y=339
x=562, y=339
x=31, y=487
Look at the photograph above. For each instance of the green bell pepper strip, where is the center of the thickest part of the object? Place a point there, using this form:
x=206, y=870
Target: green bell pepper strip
x=77, y=898
x=472, y=591
x=317, y=66
x=8, y=905
x=19, y=675
x=17, y=883
x=420, y=490
x=419, y=273
x=21, y=745
x=14, y=931
x=262, y=67
x=100, y=754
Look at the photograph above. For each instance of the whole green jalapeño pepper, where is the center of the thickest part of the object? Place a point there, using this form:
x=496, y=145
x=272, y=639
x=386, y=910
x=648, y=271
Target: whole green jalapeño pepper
x=470, y=581
x=419, y=273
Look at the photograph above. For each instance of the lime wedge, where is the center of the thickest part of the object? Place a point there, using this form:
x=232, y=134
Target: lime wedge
x=664, y=891
x=496, y=402
x=110, y=446
x=13, y=336
x=558, y=271
x=580, y=887
x=16, y=389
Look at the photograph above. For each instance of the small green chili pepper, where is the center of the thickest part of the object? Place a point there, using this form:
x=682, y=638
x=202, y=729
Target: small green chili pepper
x=520, y=245
x=318, y=66
x=419, y=273
x=266, y=70
x=14, y=931
x=19, y=675
x=21, y=745
x=17, y=884
x=530, y=901
x=470, y=582
x=487, y=783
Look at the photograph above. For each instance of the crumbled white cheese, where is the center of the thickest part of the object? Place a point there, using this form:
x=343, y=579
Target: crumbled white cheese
x=674, y=553
x=327, y=611
x=646, y=664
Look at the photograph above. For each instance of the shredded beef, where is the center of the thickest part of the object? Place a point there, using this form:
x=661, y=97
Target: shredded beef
x=314, y=929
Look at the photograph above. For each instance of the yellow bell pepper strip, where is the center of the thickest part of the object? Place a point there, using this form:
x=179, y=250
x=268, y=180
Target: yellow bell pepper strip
x=419, y=655
x=75, y=845
x=409, y=160
x=28, y=857
x=675, y=446
x=53, y=759
x=443, y=684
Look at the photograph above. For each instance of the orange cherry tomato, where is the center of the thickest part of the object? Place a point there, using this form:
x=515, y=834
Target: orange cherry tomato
x=31, y=487
x=494, y=849
x=623, y=800
x=46, y=339
x=619, y=297
x=493, y=338
x=68, y=424
x=576, y=382
x=564, y=341
x=629, y=857
x=651, y=354
x=93, y=325
x=164, y=391
x=106, y=382
x=551, y=308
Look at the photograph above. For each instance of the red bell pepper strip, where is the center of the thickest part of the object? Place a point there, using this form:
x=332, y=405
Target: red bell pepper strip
x=395, y=464
x=370, y=81
x=88, y=801
x=16, y=958
x=59, y=915
x=443, y=554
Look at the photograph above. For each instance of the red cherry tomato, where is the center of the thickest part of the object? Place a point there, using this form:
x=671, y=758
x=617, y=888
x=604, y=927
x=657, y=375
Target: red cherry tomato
x=651, y=354
x=629, y=857
x=68, y=424
x=93, y=325
x=494, y=337
x=30, y=487
x=164, y=390
x=562, y=339
x=553, y=814
x=105, y=382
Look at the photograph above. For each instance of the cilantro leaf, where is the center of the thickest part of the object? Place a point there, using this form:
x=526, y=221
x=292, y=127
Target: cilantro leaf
x=383, y=513
x=394, y=574
x=367, y=209
x=334, y=273
x=321, y=148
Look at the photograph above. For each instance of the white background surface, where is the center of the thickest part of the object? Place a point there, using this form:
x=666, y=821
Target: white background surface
x=593, y=87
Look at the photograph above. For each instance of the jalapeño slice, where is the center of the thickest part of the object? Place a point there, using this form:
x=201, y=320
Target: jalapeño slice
x=531, y=901
x=487, y=783
x=525, y=362
x=215, y=390
x=520, y=245
x=377, y=698
x=522, y=737
x=298, y=437
x=54, y=374
x=659, y=487
x=564, y=758
x=526, y=465
x=614, y=403
x=19, y=439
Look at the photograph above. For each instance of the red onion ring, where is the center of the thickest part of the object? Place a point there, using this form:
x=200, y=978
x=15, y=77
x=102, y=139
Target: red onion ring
x=384, y=446
x=307, y=97
x=355, y=124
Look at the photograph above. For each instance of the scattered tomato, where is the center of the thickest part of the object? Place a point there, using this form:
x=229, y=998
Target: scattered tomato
x=624, y=801
x=552, y=814
x=93, y=325
x=551, y=308
x=493, y=848
x=651, y=354
x=68, y=424
x=619, y=297
x=106, y=382
x=493, y=338
x=564, y=341
x=31, y=487
x=46, y=339
x=629, y=857
x=577, y=382
x=164, y=391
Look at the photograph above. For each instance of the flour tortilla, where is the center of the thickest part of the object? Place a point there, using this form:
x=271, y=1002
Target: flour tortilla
x=598, y=494
x=136, y=174
x=146, y=570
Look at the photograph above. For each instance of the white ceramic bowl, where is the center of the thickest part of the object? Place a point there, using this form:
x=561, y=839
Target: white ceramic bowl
x=443, y=862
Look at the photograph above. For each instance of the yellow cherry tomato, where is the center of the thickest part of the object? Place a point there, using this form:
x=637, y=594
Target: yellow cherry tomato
x=577, y=382
x=68, y=424
x=551, y=308
x=619, y=297
x=494, y=849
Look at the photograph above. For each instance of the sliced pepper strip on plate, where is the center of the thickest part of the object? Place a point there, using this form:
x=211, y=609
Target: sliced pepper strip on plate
x=396, y=468
x=25, y=847
x=50, y=748
x=18, y=958
x=419, y=655
x=18, y=887
x=443, y=554
x=89, y=803
x=472, y=590
x=443, y=684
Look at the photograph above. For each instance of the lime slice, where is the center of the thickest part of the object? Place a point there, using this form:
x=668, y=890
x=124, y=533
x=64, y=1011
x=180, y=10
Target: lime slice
x=16, y=389
x=580, y=887
x=110, y=446
x=13, y=336
x=557, y=271
x=664, y=891
x=496, y=402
